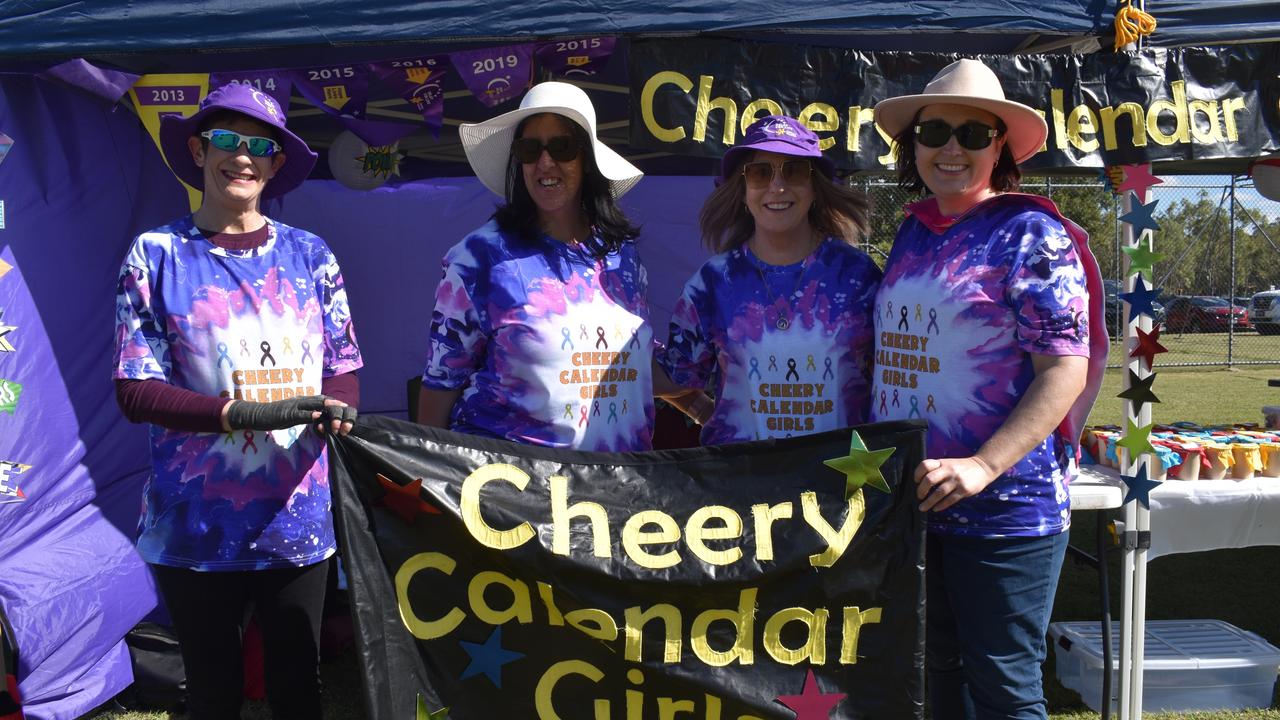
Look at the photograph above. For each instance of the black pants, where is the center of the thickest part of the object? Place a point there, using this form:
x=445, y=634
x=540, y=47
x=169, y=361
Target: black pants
x=208, y=611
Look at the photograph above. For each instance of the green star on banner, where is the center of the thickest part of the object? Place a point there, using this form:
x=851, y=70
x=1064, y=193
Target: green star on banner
x=1137, y=440
x=1141, y=259
x=424, y=714
x=9, y=393
x=861, y=466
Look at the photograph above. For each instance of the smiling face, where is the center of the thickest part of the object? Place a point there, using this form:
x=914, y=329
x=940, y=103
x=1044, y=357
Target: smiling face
x=554, y=185
x=958, y=177
x=235, y=179
x=780, y=209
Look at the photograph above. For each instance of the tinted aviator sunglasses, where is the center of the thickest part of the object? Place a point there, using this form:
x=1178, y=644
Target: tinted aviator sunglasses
x=561, y=148
x=971, y=135
x=229, y=140
x=760, y=174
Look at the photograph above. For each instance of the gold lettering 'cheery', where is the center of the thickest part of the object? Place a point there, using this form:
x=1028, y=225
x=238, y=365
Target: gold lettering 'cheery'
x=713, y=534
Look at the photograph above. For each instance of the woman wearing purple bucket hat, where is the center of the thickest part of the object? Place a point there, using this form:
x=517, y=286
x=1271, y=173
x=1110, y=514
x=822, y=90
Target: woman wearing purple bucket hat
x=233, y=337
x=997, y=296
x=784, y=309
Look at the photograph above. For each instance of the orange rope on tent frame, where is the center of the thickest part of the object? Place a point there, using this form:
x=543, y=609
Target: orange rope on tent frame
x=1131, y=24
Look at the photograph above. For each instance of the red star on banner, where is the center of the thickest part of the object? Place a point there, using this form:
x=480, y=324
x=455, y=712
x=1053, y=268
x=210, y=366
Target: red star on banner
x=1138, y=178
x=812, y=704
x=405, y=501
x=1148, y=346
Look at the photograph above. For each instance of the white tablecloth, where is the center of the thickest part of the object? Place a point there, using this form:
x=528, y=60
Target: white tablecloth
x=1187, y=516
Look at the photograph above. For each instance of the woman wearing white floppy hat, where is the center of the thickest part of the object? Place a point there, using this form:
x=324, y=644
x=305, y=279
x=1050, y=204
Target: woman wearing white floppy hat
x=541, y=332
x=1002, y=297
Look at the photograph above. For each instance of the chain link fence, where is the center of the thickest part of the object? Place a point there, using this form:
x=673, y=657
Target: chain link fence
x=1221, y=245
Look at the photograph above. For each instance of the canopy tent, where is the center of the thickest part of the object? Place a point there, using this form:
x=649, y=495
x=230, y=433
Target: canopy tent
x=83, y=177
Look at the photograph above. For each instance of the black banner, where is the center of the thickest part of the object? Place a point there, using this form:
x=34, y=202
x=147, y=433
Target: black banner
x=695, y=97
x=751, y=581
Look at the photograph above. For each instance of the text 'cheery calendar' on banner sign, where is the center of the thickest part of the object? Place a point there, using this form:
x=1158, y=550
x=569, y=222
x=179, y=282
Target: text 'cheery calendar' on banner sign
x=748, y=581
x=695, y=97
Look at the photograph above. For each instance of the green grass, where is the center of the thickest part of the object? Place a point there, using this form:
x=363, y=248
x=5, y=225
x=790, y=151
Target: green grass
x=1237, y=586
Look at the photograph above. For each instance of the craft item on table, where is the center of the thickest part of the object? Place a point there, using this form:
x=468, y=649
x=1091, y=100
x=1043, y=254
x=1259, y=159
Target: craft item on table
x=1166, y=458
x=1194, y=459
x=1270, y=458
x=1246, y=460
x=1220, y=460
x=1111, y=455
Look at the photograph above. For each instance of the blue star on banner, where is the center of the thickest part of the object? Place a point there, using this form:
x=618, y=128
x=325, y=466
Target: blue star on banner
x=1140, y=215
x=489, y=657
x=1141, y=298
x=1139, y=487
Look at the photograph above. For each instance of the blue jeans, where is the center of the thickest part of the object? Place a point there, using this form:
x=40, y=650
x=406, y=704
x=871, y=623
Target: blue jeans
x=989, y=601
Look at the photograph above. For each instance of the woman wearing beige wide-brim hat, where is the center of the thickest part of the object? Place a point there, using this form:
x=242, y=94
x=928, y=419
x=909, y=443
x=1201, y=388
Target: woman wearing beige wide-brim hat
x=541, y=330
x=1003, y=299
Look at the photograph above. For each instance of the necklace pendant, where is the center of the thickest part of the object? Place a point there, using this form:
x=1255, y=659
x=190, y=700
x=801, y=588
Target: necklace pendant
x=782, y=323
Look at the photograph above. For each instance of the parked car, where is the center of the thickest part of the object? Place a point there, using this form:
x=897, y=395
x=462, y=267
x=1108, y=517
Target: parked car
x=1115, y=308
x=1204, y=313
x=1264, y=308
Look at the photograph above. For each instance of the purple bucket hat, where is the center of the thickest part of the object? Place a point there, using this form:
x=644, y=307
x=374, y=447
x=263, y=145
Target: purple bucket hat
x=780, y=134
x=248, y=101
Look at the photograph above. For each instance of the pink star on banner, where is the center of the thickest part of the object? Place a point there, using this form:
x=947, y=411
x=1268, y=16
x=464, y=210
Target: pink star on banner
x=1138, y=178
x=812, y=704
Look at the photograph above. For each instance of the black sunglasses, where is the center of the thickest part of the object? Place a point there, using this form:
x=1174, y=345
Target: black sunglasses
x=972, y=135
x=760, y=174
x=561, y=148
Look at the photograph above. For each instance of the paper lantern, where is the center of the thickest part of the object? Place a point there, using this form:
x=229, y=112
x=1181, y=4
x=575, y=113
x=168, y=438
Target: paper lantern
x=360, y=166
x=1266, y=176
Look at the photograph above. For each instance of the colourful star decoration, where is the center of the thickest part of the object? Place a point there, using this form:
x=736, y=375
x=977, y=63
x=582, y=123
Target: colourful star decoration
x=488, y=658
x=425, y=714
x=1138, y=178
x=1148, y=346
x=5, y=345
x=405, y=501
x=1141, y=299
x=1139, y=390
x=812, y=703
x=1140, y=215
x=1139, y=487
x=1141, y=259
x=1137, y=440
x=861, y=466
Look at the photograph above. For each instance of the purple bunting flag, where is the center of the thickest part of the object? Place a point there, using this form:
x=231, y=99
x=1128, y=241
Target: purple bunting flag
x=495, y=75
x=6, y=142
x=275, y=83
x=110, y=85
x=582, y=57
x=340, y=90
x=420, y=81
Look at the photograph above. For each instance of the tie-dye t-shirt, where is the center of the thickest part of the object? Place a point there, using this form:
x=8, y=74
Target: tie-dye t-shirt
x=962, y=308
x=261, y=324
x=792, y=358
x=550, y=345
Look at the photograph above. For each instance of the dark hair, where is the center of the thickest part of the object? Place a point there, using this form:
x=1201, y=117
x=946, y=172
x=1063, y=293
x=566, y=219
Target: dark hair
x=837, y=211
x=1005, y=176
x=610, y=225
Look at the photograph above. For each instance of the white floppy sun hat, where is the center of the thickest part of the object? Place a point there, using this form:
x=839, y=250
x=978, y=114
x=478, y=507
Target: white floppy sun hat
x=488, y=144
x=971, y=83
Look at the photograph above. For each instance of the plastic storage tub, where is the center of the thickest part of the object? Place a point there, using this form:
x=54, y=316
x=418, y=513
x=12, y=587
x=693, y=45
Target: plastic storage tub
x=1188, y=665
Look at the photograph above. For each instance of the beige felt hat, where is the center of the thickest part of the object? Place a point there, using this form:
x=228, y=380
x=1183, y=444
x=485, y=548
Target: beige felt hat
x=969, y=82
x=488, y=144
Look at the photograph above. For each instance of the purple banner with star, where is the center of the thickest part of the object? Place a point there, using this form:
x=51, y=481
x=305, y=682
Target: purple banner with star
x=420, y=81
x=340, y=90
x=276, y=83
x=497, y=74
x=773, y=580
x=580, y=57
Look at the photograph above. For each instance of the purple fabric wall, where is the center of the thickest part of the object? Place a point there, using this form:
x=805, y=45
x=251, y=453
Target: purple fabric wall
x=79, y=182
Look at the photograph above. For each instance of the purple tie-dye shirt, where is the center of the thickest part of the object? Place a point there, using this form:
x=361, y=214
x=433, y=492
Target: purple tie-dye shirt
x=772, y=381
x=261, y=324
x=550, y=345
x=962, y=308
